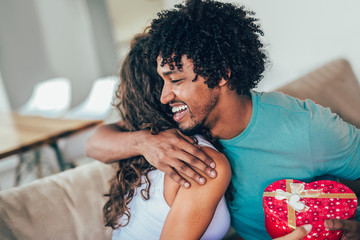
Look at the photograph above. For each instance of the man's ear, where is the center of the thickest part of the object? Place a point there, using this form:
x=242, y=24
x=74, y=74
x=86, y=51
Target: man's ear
x=223, y=81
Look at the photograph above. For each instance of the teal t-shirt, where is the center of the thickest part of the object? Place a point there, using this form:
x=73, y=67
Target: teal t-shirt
x=286, y=138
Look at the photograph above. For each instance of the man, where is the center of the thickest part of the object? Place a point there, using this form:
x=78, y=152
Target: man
x=210, y=57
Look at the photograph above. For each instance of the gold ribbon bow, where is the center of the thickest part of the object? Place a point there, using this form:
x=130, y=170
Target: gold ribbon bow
x=297, y=192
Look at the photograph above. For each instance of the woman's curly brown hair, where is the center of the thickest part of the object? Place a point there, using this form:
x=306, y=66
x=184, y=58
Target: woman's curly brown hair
x=221, y=39
x=138, y=102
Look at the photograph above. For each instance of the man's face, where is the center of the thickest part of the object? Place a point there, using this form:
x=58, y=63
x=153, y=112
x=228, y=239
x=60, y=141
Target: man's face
x=192, y=102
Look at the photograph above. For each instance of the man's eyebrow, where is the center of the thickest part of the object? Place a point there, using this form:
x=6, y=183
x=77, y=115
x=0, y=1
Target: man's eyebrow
x=167, y=73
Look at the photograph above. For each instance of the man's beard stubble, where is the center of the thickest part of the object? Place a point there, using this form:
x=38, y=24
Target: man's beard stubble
x=197, y=129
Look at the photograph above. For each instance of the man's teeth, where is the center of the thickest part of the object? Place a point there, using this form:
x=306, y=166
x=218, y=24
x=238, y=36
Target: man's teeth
x=178, y=109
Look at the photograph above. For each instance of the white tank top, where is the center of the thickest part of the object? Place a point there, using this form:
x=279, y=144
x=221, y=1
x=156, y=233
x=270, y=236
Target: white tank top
x=148, y=216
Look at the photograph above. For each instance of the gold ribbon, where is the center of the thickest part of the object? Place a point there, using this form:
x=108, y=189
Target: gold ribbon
x=294, y=192
x=297, y=192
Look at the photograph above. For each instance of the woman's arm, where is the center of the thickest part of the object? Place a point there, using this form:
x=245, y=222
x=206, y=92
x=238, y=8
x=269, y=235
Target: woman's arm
x=193, y=209
x=168, y=151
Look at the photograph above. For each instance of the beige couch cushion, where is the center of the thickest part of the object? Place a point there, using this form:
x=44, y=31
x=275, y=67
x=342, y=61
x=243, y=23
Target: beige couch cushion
x=333, y=85
x=67, y=205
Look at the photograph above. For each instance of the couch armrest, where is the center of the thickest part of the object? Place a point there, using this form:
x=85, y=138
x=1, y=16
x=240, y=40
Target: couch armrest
x=67, y=205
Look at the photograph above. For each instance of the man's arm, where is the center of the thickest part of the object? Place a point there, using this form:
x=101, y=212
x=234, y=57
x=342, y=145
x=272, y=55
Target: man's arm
x=111, y=143
x=169, y=151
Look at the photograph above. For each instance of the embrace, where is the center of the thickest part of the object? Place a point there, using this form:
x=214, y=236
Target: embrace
x=193, y=130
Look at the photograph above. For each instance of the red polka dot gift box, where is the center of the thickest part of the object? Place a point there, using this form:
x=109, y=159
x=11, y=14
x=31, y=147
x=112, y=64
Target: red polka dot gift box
x=290, y=203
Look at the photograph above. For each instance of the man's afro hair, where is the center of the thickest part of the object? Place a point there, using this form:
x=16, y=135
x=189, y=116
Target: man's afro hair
x=221, y=39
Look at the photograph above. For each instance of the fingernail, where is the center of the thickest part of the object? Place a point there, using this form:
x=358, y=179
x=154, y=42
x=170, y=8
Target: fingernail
x=201, y=180
x=328, y=223
x=212, y=165
x=186, y=185
x=212, y=173
x=307, y=227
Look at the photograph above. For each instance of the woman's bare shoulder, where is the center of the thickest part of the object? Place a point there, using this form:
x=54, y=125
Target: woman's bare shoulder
x=219, y=183
x=193, y=208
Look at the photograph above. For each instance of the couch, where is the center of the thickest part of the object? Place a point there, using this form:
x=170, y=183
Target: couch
x=68, y=205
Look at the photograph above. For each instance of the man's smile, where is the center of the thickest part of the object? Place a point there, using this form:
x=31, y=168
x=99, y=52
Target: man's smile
x=179, y=112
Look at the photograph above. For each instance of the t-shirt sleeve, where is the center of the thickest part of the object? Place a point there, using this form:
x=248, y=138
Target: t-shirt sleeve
x=334, y=144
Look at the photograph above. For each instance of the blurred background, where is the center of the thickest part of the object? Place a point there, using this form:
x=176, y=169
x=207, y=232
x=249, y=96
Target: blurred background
x=85, y=40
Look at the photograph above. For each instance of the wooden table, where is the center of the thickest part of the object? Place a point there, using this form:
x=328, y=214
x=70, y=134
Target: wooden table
x=19, y=133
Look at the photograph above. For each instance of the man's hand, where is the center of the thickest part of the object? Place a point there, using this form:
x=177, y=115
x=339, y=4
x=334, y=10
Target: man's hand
x=351, y=228
x=298, y=234
x=172, y=152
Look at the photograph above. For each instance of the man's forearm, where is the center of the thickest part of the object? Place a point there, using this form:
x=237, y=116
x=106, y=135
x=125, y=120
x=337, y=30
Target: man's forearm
x=170, y=151
x=109, y=143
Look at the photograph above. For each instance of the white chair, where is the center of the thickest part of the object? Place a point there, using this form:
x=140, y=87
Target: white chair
x=97, y=106
x=50, y=98
x=98, y=103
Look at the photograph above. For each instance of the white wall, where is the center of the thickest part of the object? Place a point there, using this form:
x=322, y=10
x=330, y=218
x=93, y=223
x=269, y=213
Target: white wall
x=68, y=39
x=42, y=39
x=302, y=35
x=4, y=102
x=130, y=18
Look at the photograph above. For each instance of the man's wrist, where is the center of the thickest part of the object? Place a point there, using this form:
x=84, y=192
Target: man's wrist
x=140, y=140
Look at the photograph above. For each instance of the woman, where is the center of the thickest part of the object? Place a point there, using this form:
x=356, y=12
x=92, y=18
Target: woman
x=144, y=203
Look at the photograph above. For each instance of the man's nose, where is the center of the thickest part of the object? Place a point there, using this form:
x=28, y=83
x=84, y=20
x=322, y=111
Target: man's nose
x=167, y=95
